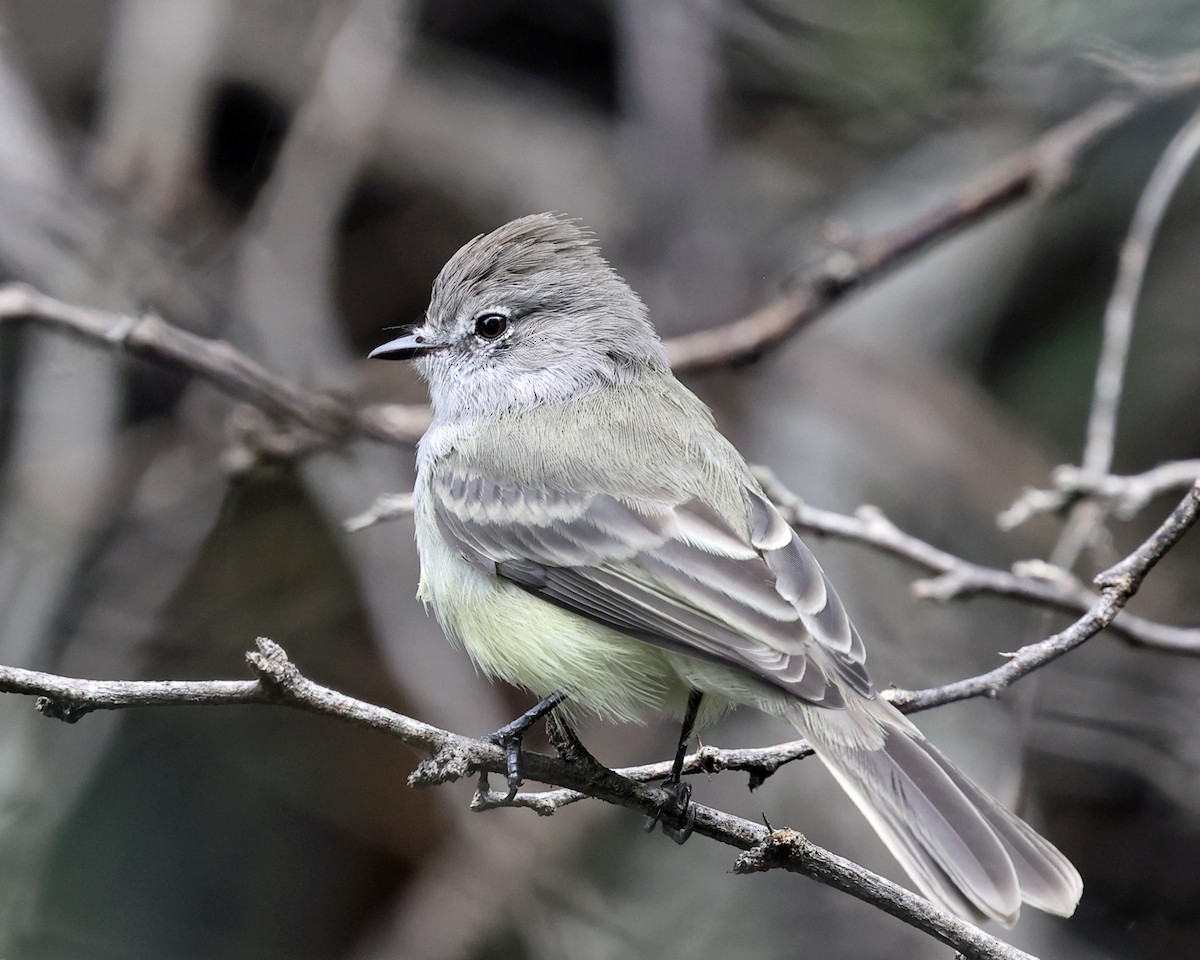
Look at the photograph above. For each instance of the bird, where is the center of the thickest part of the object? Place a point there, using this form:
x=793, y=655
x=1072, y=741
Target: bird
x=586, y=532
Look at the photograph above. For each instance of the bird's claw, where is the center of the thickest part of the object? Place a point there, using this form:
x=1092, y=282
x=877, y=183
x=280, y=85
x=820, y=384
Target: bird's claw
x=509, y=738
x=684, y=817
x=511, y=744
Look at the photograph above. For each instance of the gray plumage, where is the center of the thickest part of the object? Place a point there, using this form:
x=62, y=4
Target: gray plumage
x=584, y=527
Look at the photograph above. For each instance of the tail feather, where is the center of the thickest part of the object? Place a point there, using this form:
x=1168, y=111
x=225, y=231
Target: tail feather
x=1048, y=880
x=962, y=848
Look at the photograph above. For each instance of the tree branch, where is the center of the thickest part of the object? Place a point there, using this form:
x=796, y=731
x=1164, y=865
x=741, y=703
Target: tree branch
x=152, y=338
x=759, y=762
x=1087, y=516
x=387, y=506
x=1178, y=157
x=452, y=757
x=1117, y=585
x=1047, y=164
x=1032, y=581
x=788, y=850
x=1125, y=496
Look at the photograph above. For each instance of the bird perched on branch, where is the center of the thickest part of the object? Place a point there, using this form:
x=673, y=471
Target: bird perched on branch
x=586, y=532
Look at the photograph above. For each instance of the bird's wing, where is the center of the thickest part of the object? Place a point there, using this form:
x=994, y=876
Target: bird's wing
x=666, y=570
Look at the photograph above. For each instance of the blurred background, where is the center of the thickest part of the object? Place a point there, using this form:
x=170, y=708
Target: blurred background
x=290, y=176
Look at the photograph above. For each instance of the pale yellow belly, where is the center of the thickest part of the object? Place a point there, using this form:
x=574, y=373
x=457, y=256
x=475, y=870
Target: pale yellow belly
x=516, y=637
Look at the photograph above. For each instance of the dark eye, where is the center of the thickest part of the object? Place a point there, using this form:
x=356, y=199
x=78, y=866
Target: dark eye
x=490, y=325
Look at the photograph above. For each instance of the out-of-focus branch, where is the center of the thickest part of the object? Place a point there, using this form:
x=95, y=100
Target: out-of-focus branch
x=1087, y=516
x=1125, y=496
x=150, y=337
x=452, y=757
x=155, y=80
x=1047, y=164
x=1085, y=489
x=1178, y=157
x=387, y=506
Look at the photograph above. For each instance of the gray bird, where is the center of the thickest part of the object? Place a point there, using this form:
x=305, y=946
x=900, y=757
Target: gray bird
x=586, y=531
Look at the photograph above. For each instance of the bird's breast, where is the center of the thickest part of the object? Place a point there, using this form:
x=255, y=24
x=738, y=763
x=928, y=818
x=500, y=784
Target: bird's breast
x=514, y=636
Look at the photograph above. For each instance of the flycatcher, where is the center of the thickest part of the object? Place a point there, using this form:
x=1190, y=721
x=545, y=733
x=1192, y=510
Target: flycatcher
x=586, y=530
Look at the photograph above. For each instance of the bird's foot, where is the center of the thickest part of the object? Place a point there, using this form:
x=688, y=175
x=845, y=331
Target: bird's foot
x=509, y=737
x=684, y=816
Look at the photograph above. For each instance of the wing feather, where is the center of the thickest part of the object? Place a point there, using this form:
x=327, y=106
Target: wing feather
x=671, y=571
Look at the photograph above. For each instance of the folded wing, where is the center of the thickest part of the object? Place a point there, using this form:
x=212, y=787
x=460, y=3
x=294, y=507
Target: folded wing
x=670, y=571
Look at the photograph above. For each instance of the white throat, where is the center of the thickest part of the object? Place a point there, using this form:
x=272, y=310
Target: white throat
x=463, y=399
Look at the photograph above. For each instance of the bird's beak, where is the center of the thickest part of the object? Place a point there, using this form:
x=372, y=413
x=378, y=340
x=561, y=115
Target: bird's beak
x=416, y=341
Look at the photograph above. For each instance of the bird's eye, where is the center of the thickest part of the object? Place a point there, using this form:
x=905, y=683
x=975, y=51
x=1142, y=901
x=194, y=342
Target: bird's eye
x=490, y=325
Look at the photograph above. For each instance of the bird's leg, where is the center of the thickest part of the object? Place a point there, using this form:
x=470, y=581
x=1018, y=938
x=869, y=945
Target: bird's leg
x=685, y=735
x=674, y=785
x=509, y=737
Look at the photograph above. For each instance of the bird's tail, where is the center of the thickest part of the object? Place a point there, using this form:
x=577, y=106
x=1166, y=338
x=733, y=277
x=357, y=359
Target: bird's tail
x=961, y=847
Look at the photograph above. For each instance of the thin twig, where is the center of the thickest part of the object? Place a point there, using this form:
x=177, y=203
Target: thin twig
x=452, y=757
x=387, y=506
x=1124, y=496
x=1176, y=160
x=152, y=338
x=1120, y=311
x=1033, y=582
x=1117, y=585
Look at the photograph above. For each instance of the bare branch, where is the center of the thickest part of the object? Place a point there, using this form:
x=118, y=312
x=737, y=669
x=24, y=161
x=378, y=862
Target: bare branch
x=759, y=762
x=387, y=506
x=452, y=757
x=788, y=850
x=1030, y=581
x=1174, y=163
x=1087, y=516
x=1047, y=164
x=1117, y=585
x=151, y=337
x=1125, y=496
